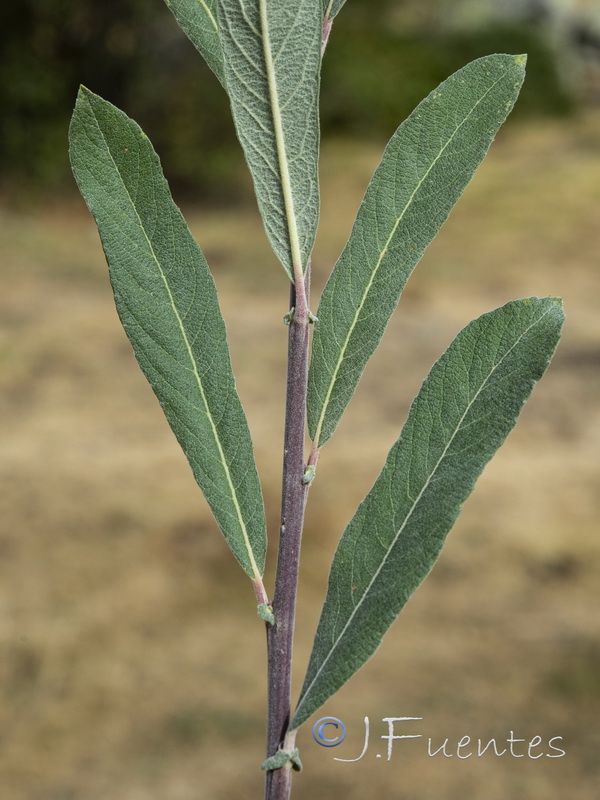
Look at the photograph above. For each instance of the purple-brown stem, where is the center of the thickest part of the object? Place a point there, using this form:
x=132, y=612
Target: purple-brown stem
x=280, y=635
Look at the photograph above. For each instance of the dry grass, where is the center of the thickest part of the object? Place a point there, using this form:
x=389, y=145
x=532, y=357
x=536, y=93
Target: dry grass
x=132, y=663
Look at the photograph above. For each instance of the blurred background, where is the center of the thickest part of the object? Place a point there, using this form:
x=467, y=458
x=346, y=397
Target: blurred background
x=131, y=659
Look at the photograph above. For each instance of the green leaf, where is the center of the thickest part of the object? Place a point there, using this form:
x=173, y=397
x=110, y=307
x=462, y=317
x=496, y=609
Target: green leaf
x=464, y=411
x=424, y=170
x=167, y=301
x=198, y=20
x=331, y=8
x=272, y=55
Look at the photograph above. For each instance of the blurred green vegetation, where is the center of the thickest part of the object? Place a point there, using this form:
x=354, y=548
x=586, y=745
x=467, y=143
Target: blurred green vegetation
x=379, y=65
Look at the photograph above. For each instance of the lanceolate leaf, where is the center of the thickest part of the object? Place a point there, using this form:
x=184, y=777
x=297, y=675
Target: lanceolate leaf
x=464, y=411
x=198, y=20
x=272, y=56
x=426, y=165
x=168, y=305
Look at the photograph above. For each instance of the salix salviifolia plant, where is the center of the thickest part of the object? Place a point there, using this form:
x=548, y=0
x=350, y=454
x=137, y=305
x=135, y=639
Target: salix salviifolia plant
x=267, y=54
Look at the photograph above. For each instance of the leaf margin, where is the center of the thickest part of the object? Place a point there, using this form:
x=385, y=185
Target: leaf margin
x=198, y=20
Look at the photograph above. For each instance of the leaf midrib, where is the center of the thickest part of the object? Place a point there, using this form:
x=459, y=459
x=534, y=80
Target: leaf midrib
x=382, y=252
x=284, y=173
x=196, y=374
x=414, y=505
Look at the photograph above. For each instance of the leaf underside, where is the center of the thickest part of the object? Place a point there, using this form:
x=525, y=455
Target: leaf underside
x=466, y=407
x=272, y=58
x=424, y=170
x=198, y=20
x=167, y=301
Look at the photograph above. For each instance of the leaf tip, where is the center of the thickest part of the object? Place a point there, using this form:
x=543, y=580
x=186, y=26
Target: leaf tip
x=84, y=95
x=553, y=304
x=521, y=60
x=558, y=303
x=552, y=301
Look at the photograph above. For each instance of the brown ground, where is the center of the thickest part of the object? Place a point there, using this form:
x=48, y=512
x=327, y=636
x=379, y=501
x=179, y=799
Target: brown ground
x=131, y=659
